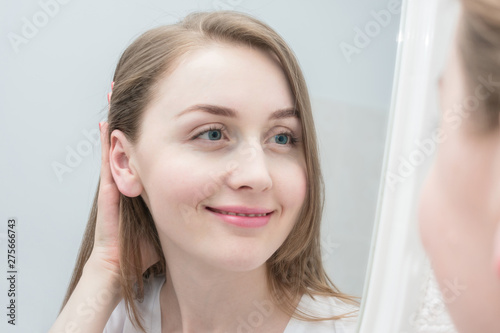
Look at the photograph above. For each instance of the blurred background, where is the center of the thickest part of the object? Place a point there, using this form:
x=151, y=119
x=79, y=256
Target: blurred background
x=56, y=65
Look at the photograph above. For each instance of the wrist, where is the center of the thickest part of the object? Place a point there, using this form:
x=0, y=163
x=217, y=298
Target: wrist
x=103, y=271
x=93, y=300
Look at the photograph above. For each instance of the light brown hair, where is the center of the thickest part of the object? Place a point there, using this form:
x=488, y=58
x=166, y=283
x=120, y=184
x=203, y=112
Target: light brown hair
x=479, y=47
x=296, y=267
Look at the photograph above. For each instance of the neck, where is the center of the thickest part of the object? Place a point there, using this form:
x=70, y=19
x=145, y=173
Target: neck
x=200, y=298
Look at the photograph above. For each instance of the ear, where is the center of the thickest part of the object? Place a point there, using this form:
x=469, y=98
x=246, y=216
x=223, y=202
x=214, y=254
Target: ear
x=122, y=167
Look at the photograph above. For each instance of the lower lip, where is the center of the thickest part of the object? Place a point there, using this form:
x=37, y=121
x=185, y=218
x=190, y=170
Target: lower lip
x=244, y=221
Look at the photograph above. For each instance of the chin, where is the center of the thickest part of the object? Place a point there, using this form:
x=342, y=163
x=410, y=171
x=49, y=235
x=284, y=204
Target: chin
x=244, y=262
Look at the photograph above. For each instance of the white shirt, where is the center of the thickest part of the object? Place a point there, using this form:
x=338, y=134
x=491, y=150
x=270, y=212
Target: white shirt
x=321, y=306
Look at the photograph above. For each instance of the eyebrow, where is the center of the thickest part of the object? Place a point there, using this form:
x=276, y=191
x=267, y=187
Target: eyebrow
x=231, y=113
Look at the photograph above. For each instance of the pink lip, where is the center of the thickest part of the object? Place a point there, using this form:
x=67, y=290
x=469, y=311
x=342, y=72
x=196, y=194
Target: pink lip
x=243, y=221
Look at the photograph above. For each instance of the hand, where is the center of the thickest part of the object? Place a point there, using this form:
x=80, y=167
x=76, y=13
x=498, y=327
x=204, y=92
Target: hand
x=106, y=251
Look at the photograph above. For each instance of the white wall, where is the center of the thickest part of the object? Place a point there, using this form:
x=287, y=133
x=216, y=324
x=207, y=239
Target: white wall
x=53, y=88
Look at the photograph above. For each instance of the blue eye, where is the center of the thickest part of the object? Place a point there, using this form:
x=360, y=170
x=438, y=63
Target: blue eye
x=281, y=139
x=285, y=139
x=212, y=134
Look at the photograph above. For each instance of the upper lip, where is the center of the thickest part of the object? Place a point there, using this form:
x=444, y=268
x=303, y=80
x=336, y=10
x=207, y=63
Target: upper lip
x=242, y=209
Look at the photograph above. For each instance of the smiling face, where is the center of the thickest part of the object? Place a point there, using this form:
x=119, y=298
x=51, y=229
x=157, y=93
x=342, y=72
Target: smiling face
x=460, y=211
x=221, y=138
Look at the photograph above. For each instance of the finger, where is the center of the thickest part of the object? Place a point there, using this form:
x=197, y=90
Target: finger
x=108, y=192
x=106, y=177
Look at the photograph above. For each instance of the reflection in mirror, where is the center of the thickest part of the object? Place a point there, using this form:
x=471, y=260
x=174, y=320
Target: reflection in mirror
x=63, y=55
x=458, y=211
x=402, y=293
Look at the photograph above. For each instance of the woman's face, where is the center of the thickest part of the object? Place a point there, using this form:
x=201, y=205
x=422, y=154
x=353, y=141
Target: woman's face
x=219, y=139
x=460, y=207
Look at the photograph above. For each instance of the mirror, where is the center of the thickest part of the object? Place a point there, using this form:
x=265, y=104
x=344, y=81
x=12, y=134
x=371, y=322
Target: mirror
x=401, y=294
x=58, y=61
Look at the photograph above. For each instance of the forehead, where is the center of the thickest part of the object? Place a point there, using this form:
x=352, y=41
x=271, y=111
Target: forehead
x=234, y=76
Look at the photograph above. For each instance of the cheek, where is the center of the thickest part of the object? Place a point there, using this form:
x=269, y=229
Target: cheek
x=439, y=230
x=428, y=212
x=174, y=186
x=290, y=186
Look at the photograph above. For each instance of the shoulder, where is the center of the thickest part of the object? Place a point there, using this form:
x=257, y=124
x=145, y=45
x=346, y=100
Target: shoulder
x=325, y=306
x=148, y=308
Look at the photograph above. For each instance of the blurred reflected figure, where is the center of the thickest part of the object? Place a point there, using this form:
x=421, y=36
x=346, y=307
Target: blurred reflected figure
x=459, y=212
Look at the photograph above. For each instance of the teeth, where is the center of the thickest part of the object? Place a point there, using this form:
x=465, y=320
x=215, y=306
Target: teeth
x=238, y=214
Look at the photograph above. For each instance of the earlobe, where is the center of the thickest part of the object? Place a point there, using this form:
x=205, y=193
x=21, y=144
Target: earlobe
x=124, y=173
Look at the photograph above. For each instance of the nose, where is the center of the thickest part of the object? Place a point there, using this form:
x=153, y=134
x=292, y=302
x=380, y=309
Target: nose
x=251, y=170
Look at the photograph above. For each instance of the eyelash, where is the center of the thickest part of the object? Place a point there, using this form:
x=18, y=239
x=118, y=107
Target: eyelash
x=292, y=142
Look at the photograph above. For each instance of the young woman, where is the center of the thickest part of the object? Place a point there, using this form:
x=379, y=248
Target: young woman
x=207, y=215
x=460, y=202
